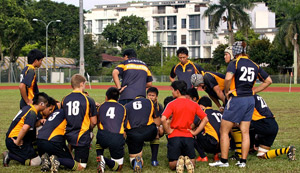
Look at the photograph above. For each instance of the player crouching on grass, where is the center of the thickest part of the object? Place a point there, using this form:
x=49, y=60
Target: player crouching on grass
x=51, y=141
x=142, y=125
x=180, y=136
x=111, y=116
x=22, y=133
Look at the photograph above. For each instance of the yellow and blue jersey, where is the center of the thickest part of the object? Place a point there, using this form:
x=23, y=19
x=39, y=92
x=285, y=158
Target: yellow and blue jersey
x=28, y=77
x=245, y=74
x=212, y=127
x=111, y=117
x=261, y=109
x=135, y=74
x=184, y=72
x=140, y=112
x=78, y=108
x=27, y=115
x=212, y=79
x=54, y=128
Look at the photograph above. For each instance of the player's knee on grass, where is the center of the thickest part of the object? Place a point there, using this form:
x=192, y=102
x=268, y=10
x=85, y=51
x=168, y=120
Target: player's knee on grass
x=118, y=164
x=35, y=161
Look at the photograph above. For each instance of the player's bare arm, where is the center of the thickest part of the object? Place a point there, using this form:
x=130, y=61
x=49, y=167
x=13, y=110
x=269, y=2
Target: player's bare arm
x=22, y=133
x=166, y=126
x=22, y=88
x=115, y=75
x=149, y=84
x=263, y=85
x=172, y=79
x=219, y=93
x=204, y=121
x=93, y=121
x=227, y=83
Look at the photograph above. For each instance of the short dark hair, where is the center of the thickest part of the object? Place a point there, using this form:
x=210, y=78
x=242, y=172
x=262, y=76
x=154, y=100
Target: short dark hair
x=193, y=93
x=168, y=100
x=180, y=85
x=33, y=55
x=153, y=90
x=51, y=102
x=205, y=101
x=40, y=97
x=130, y=53
x=182, y=50
x=112, y=93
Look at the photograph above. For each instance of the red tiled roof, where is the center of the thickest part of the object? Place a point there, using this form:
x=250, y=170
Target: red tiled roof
x=110, y=58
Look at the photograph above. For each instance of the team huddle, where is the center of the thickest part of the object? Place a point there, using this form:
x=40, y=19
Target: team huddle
x=132, y=115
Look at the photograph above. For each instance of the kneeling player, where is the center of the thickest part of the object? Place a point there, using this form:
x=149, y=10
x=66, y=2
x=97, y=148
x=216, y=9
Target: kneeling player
x=111, y=117
x=266, y=129
x=51, y=141
x=21, y=133
x=180, y=137
x=208, y=140
x=142, y=124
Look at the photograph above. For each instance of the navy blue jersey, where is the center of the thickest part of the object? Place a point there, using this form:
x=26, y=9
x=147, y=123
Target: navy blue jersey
x=54, y=128
x=158, y=108
x=184, y=72
x=27, y=115
x=77, y=109
x=111, y=117
x=245, y=74
x=212, y=79
x=214, y=122
x=135, y=74
x=140, y=112
x=261, y=109
x=28, y=77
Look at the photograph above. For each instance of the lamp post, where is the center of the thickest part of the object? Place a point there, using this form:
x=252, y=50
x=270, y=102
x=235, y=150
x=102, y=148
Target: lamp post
x=47, y=26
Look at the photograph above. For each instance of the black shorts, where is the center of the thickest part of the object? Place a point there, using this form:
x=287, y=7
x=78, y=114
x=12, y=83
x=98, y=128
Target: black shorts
x=178, y=146
x=53, y=148
x=208, y=143
x=266, y=130
x=81, y=153
x=113, y=141
x=137, y=136
x=26, y=151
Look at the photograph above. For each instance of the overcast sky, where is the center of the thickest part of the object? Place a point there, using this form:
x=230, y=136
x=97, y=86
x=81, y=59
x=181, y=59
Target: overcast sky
x=89, y=4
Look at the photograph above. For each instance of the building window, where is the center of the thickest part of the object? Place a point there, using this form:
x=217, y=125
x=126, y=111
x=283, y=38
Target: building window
x=171, y=21
x=101, y=24
x=194, y=21
x=158, y=37
x=183, y=39
x=197, y=8
x=183, y=23
x=194, y=52
x=172, y=38
x=159, y=23
x=194, y=38
x=161, y=9
x=88, y=26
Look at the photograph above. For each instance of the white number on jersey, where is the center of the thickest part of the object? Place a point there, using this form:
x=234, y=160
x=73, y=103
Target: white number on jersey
x=218, y=116
x=137, y=105
x=73, y=108
x=20, y=111
x=262, y=102
x=53, y=116
x=111, y=112
x=248, y=74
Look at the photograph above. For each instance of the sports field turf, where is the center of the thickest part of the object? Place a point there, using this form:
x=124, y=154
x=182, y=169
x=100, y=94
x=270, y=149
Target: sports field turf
x=285, y=106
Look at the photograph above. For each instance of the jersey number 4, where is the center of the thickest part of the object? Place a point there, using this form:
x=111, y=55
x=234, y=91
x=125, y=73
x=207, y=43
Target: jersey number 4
x=73, y=108
x=111, y=112
x=248, y=74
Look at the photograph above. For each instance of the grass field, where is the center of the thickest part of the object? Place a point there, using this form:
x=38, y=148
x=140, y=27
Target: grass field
x=285, y=107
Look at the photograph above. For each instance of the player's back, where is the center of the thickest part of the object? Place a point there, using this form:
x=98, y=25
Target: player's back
x=139, y=112
x=54, y=127
x=111, y=117
x=261, y=109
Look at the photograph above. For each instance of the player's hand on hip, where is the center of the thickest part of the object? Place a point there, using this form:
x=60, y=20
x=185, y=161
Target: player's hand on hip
x=17, y=143
x=122, y=89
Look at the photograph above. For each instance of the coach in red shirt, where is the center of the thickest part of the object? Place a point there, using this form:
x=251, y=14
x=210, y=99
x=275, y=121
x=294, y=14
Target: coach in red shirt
x=180, y=137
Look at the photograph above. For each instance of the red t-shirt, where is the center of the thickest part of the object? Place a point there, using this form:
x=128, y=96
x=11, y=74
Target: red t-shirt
x=183, y=111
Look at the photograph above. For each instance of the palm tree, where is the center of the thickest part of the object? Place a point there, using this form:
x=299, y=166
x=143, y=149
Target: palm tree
x=230, y=11
x=289, y=30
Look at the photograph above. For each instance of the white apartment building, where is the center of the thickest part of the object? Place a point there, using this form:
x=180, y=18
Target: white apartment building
x=176, y=23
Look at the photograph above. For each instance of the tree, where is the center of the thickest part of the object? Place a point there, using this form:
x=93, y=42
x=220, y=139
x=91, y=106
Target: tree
x=130, y=30
x=230, y=11
x=246, y=34
x=290, y=29
x=218, y=55
x=258, y=50
x=15, y=27
x=151, y=55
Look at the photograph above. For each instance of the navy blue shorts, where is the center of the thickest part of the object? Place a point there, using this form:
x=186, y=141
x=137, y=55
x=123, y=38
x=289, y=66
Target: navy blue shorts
x=53, y=148
x=180, y=146
x=25, y=151
x=239, y=109
x=266, y=130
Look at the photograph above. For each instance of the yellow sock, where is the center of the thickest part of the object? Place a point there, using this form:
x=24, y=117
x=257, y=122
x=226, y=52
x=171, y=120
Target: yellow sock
x=237, y=137
x=276, y=152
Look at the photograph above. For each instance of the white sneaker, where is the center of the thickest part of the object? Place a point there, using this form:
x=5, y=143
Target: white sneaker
x=241, y=165
x=219, y=164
